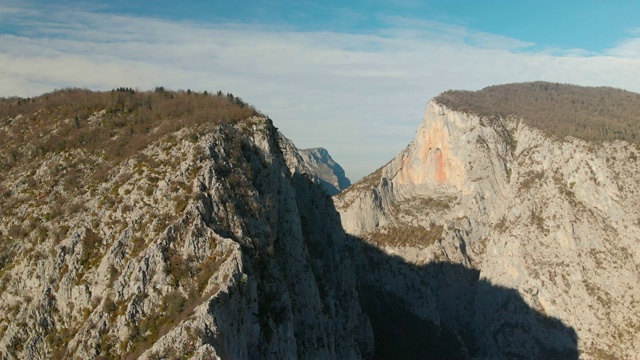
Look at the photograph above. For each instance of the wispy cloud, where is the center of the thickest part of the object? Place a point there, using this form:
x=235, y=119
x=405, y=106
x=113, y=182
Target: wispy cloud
x=347, y=92
x=436, y=31
x=627, y=48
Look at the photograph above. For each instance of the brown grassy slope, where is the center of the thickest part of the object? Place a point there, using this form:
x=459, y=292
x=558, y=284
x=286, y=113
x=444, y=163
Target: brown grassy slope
x=589, y=113
x=65, y=120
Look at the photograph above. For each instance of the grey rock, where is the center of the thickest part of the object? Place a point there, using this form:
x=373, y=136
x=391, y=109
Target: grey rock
x=540, y=234
x=207, y=248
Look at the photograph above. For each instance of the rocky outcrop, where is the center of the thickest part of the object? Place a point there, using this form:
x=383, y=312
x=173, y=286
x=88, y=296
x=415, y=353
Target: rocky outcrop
x=318, y=166
x=203, y=244
x=518, y=243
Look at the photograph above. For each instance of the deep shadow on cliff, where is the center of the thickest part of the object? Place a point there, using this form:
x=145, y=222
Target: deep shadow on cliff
x=306, y=305
x=445, y=311
x=438, y=310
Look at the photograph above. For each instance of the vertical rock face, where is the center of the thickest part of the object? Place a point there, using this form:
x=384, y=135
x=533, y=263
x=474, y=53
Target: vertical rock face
x=204, y=244
x=431, y=161
x=515, y=243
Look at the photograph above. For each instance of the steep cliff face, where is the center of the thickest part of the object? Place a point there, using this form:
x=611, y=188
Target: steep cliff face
x=520, y=243
x=203, y=243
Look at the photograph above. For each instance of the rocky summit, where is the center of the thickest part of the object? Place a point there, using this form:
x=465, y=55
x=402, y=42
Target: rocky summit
x=513, y=222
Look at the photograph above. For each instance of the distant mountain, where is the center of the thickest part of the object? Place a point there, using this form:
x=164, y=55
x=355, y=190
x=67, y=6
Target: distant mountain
x=318, y=166
x=514, y=221
x=329, y=172
x=323, y=168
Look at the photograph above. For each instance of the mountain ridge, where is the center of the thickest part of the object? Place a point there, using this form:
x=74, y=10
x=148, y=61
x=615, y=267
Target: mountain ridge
x=194, y=238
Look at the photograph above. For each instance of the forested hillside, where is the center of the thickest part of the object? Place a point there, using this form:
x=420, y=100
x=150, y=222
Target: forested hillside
x=113, y=124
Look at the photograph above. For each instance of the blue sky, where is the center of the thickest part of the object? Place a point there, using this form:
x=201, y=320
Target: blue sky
x=353, y=77
x=583, y=24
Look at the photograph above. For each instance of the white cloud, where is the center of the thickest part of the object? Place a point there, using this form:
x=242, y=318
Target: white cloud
x=351, y=93
x=627, y=48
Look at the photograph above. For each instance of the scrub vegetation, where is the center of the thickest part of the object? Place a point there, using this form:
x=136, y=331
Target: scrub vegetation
x=588, y=113
x=111, y=125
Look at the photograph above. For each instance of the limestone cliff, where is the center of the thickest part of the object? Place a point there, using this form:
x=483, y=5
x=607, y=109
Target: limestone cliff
x=517, y=242
x=198, y=242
